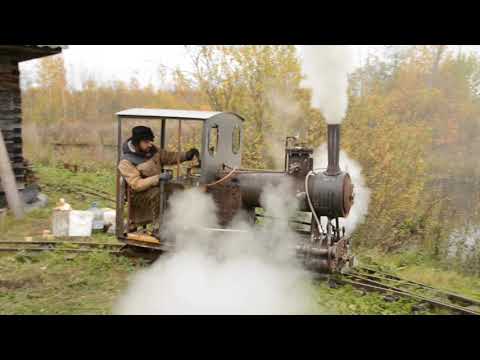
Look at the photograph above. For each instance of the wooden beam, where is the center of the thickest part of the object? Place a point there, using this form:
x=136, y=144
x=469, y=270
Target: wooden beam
x=8, y=182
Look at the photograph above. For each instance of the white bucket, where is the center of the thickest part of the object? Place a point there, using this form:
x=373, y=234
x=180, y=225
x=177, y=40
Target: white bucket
x=60, y=223
x=81, y=223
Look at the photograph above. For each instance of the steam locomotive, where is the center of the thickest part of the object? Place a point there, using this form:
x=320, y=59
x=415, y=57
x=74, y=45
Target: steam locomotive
x=326, y=194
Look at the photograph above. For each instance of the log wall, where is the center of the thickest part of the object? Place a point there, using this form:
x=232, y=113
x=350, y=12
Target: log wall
x=11, y=116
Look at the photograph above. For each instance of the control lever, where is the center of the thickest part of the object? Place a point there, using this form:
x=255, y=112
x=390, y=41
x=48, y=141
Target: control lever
x=164, y=178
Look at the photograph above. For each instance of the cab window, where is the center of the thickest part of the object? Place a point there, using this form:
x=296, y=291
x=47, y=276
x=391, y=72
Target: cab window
x=213, y=140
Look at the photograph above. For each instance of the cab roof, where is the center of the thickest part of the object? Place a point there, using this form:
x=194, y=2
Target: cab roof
x=172, y=114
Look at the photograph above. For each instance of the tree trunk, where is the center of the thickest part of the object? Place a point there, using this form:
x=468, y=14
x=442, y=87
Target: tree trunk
x=440, y=49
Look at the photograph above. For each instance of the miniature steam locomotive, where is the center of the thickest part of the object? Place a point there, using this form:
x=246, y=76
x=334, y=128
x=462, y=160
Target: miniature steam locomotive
x=325, y=194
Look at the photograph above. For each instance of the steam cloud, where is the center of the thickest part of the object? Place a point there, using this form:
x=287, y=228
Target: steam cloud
x=286, y=115
x=362, y=193
x=244, y=272
x=326, y=68
x=464, y=243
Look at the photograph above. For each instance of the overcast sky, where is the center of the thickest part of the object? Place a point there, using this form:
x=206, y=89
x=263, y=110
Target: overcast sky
x=112, y=62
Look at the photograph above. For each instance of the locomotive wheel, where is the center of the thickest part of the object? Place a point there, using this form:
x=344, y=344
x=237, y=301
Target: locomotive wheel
x=150, y=255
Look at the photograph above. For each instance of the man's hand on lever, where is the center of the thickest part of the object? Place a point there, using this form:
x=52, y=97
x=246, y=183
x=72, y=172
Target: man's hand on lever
x=192, y=153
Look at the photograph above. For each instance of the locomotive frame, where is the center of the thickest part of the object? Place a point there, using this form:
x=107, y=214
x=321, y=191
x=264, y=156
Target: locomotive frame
x=327, y=194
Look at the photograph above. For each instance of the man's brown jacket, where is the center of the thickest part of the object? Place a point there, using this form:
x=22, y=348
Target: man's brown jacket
x=146, y=175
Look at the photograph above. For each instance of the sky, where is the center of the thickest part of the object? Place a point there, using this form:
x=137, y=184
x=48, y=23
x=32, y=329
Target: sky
x=122, y=62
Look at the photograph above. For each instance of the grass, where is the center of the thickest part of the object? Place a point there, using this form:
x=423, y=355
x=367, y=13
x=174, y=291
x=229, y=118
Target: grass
x=57, y=283
x=56, y=184
x=52, y=283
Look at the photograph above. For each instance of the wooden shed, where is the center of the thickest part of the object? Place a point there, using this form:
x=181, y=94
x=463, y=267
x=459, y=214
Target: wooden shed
x=10, y=99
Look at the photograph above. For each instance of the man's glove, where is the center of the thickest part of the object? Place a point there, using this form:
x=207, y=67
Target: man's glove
x=165, y=176
x=190, y=154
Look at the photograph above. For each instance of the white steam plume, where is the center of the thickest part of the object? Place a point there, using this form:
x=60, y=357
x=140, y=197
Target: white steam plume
x=249, y=272
x=326, y=68
x=362, y=193
x=464, y=243
x=287, y=120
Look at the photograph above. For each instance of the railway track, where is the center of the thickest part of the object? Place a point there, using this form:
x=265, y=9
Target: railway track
x=367, y=278
x=371, y=279
x=81, y=190
x=62, y=246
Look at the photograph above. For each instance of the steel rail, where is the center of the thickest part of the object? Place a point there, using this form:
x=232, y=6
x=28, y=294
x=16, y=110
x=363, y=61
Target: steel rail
x=83, y=190
x=56, y=242
x=38, y=249
x=361, y=281
x=37, y=246
x=407, y=282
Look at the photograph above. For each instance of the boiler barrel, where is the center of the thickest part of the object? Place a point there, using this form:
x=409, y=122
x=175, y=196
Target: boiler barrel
x=252, y=184
x=331, y=196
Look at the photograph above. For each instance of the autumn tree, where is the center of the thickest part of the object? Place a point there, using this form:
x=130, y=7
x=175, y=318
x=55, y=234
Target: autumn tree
x=263, y=84
x=414, y=128
x=49, y=100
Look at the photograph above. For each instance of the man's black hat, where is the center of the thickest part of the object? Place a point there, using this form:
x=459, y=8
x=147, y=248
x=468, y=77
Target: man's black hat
x=140, y=133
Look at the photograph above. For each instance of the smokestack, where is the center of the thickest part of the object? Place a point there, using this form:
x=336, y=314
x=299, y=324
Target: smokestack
x=333, y=167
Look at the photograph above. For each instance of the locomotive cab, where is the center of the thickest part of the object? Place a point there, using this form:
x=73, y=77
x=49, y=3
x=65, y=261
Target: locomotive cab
x=220, y=146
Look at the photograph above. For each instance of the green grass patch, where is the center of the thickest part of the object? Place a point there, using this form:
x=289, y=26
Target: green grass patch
x=59, y=183
x=54, y=283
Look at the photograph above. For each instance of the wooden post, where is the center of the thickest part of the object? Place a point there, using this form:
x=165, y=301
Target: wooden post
x=179, y=148
x=8, y=182
x=120, y=193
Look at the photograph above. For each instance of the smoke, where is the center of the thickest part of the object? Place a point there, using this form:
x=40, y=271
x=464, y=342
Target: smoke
x=361, y=192
x=246, y=271
x=326, y=68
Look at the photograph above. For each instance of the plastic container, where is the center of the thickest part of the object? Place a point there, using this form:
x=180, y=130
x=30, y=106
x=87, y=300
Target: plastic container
x=80, y=223
x=109, y=219
x=61, y=219
x=98, y=222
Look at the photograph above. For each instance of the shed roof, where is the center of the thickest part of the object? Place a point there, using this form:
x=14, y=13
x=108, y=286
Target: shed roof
x=20, y=53
x=171, y=114
x=63, y=47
